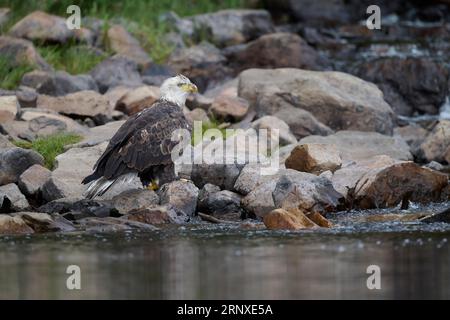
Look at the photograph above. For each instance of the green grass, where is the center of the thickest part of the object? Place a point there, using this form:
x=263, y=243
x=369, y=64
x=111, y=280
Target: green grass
x=50, y=146
x=11, y=75
x=212, y=124
x=74, y=59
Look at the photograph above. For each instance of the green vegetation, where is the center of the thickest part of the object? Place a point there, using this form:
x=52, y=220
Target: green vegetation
x=72, y=59
x=10, y=74
x=212, y=124
x=50, y=146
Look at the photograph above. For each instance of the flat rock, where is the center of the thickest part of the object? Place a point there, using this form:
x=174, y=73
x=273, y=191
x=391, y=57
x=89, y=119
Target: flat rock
x=32, y=180
x=133, y=200
x=156, y=215
x=354, y=145
x=11, y=199
x=120, y=41
x=58, y=83
x=314, y=158
x=41, y=26
x=339, y=100
x=14, y=161
x=99, y=134
x=42, y=222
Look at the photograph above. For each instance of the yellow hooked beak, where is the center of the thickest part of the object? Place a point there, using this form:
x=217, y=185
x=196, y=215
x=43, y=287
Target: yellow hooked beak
x=189, y=87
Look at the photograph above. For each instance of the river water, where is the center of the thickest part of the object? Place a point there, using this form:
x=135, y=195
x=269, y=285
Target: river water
x=228, y=262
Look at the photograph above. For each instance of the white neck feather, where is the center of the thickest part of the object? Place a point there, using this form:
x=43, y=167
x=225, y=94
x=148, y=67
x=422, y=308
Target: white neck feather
x=175, y=96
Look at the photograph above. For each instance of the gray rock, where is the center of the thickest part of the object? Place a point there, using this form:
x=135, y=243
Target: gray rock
x=4, y=142
x=99, y=134
x=78, y=208
x=41, y=26
x=181, y=195
x=270, y=123
x=14, y=161
x=436, y=145
x=339, y=100
x=221, y=203
x=413, y=135
x=204, y=64
x=9, y=108
x=58, y=83
x=4, y=16
x=354, y=145
x=115, y=71
x=156, y=215
x=111, y=224
x=13, y=225
x=133, y=200
x=443, y=216
x=292, y=189
x=234, y=26
x=32, y=180
x=11, y=199
x=433, y=165
x=42, y=222
x=20, y=51
x=248, y=179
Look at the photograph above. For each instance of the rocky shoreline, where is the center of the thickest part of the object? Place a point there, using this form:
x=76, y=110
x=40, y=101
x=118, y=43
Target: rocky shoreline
x=362, y=125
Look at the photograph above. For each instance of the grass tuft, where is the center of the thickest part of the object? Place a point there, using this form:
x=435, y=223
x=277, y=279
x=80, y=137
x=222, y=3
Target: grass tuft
x=50, y=146
x=11, y=75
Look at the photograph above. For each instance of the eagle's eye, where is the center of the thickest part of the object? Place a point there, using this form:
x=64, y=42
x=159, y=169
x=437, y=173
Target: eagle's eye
x=180, y=85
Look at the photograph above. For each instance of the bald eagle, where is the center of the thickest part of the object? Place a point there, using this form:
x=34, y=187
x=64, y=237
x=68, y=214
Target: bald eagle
x=142, y=146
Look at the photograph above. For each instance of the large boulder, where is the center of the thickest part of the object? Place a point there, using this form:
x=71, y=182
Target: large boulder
x=293, y=219
x=133, y=200
x=137, y=99
x=204, y=64
x=99, y=134
x=412, y=85
x=11, y=199
x=383, y=182
x=436, y=145
x=234, y=26
x=115, y=71
x=20, y=52
x=58, y=83
x=291, y=189
x=339, y=100
x=314, y=158
x=80, y=104
x=228, y=108
x=33, y=179
x=275, y=50
x=14, y=161
x=120, y=41
x=271, y=123
x=354, y=145
x=44, y=27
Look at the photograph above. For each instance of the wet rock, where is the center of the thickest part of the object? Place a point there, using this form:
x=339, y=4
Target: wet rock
x=132, y=200
x=291, y=189
x=158, y=215
x=314, y=158
x=226, y=108
x=384, y=182
x=204, y=64
x=20, y=51
x=338, y=100
x=122, y=42
x=436, y=145
x=13, y=225
x=413, y=135
x=43, y=123
x=79, y=104
x=354, y=145
x=32, y=180
x=111, y=224
x=9, y=108
x=78, y=208
x=11, y=199
x=292, y=219
x=137, y=99
x=270, y=123
x=58, y=83
x=181, y=195
x=302, y=123
x=14, y=161
x=276, y=50
x=443, y=216
x=4, y=16
x=421, y=83
x=391, y=217
x=41, y=26
x=234, y=26
x=221, y=203
x=42, y=222
x=115, y=71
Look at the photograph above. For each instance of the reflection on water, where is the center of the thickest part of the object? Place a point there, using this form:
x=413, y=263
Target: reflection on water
x=192, y=263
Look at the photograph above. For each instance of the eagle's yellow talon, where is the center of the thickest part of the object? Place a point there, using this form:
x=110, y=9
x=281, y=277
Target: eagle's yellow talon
x=153, y=185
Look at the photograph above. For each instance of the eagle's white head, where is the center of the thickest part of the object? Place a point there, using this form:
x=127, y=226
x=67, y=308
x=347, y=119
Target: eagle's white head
x=177, y=89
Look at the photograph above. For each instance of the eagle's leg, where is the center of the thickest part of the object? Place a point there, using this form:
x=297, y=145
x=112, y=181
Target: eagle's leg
x=153, y=185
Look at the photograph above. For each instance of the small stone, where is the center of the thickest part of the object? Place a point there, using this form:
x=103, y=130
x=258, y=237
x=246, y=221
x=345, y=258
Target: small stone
x=11, y=199
x=14, y=161
x=32, y=180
